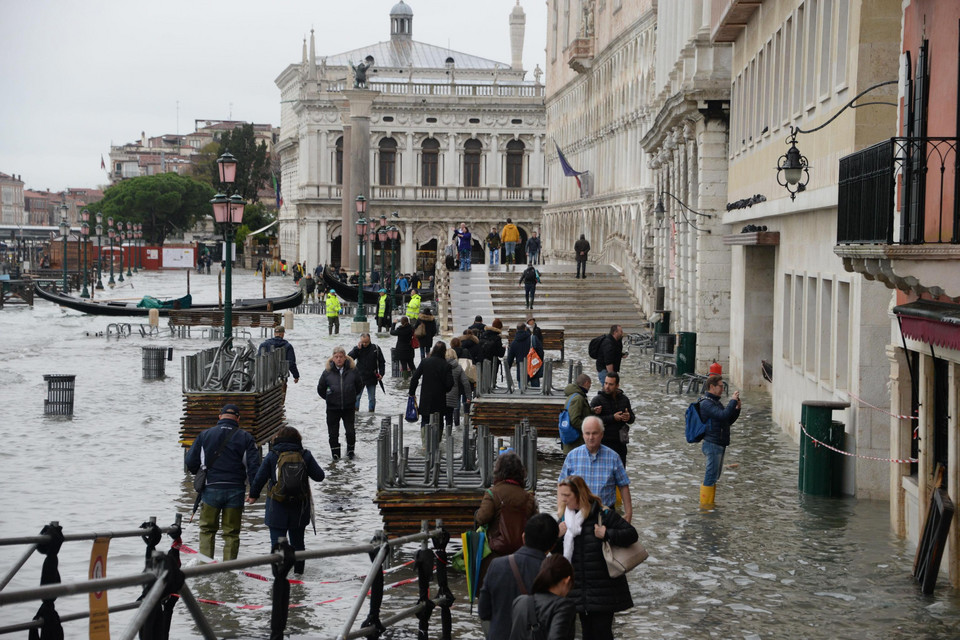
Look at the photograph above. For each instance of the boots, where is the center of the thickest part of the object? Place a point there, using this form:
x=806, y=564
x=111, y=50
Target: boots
x=706, y=495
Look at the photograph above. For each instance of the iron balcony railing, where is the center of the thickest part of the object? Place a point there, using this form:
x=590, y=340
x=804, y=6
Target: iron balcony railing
x=922, y=172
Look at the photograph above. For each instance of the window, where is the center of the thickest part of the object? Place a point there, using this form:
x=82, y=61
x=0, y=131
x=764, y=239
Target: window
x=430, y=160
x=810, y=53
x=826, y=328
x=843, y=335
x=339, y=167
x=388, y=161
x=515, y=164
x=474, y=120
x=810, y=320
x=826, y=40
x=840, y=58
x=787, y=315
x=472, y=150
x=798, y=56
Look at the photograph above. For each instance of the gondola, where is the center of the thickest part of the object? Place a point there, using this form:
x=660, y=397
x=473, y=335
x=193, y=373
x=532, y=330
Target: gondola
x=117, y=308
x=349, y=292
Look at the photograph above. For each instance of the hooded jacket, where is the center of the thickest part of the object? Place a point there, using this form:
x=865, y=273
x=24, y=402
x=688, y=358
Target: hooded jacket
x=471, y=344
x=520, y=347
x=578, y=410
x=340, y=389
x=429, y=323
x=289, y=514
x=491, y=344
x=510, y=233
x=461, y=384
x=237, y=463
x=369, y=362
x=712, y=409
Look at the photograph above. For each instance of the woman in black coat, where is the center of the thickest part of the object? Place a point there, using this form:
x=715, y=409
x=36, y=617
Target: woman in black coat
x=586, y=524
x=403, y=351
x=437, y=380
x=547, y=606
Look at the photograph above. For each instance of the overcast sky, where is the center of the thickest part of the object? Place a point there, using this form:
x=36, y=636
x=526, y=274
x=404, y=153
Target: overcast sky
x=78, y=76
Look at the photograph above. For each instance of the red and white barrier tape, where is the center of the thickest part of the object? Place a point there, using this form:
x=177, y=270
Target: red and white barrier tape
x=875, y=408
x=854, y=455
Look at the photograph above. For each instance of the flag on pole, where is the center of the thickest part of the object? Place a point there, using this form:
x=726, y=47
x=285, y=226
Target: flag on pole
x=276, y=189
x=567, y=169
x=103, y=165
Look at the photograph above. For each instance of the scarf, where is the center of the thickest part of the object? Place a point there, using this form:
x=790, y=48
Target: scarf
x=574, y=520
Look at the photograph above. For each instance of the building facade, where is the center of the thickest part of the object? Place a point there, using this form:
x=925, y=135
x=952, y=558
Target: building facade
x=452, y=138
x=11, y=200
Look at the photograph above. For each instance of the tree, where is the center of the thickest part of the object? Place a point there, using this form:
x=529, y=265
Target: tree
x=253, y=163
x=255, y=216
x=165, y=203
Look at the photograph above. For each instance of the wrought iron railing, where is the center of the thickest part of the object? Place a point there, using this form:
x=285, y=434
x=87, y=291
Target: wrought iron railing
x=922, y=172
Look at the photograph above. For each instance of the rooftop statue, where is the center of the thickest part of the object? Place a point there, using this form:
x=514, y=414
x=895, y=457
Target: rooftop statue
x=360, y=72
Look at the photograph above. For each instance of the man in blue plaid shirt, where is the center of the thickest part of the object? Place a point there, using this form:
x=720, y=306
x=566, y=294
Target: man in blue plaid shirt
x=600, y=467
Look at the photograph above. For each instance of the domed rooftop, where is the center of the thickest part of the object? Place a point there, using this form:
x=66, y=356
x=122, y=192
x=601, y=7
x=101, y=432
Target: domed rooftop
x=401, y=9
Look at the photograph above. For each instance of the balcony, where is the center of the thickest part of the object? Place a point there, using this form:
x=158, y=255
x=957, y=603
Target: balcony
x=524, y=195
x=581, y=54
x=898, y=215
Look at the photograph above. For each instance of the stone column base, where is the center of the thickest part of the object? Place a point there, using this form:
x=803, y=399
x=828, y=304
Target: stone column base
x=359, y=327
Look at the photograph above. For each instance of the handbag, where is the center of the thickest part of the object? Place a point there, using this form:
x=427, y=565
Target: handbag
x=414, y=342
x=620, y=560
x=411, y=415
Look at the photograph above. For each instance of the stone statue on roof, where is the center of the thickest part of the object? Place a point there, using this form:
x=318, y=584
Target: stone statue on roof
x=537, y=74
x=360, y=72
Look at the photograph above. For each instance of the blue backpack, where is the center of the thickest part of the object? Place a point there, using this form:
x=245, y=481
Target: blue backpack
x=696, y=428
x=568, y=434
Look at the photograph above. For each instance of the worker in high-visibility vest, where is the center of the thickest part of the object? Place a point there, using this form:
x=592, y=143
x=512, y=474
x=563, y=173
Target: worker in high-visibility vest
x=413, y=307
x=333, y=312
x=383, y=313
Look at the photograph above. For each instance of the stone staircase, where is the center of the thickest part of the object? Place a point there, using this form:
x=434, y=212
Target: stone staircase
x=584, y=308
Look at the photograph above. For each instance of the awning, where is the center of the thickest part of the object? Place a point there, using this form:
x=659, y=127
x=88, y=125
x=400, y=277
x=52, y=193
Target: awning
x=936, y=323
x=262, y=229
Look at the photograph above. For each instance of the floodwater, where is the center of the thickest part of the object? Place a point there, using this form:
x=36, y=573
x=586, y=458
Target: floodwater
x=768, y=562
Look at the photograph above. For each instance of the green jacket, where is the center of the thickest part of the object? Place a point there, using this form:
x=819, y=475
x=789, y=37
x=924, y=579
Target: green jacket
x=333, y=305
x=579, y=409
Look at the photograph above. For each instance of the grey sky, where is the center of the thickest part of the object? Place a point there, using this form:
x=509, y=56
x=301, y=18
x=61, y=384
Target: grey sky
x=78, y=76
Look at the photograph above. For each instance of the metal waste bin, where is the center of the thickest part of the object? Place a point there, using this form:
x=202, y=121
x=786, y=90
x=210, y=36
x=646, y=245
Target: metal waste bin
x=686, y=352
x=154, y=367
x=394, y=363
x=666, y=342
x=59, y=400
x=821, y=470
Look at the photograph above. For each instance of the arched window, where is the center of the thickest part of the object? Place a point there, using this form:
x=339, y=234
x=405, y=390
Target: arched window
x=472, y=150
x=340, y=160
x=429, y=162
x=515, y=164
x=388, y=161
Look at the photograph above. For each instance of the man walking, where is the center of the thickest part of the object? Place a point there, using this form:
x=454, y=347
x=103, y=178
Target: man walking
x=309, y=286
x=580, y=250
x=340, y=386
x=502, y=583
x=600, y=467
x=230, y=458
x=616, y=415
x=529, y=279
x=718, y=419
x=493, y=245
x=383, y=317
x=611, y=352
x=533, y=249
x=510, y=236
x=333, y=313
x=578, y=407
x=369, y=361
x=277, y=342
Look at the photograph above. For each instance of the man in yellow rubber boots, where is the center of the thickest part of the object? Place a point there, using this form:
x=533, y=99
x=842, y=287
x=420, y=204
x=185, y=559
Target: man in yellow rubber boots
x=718, y=420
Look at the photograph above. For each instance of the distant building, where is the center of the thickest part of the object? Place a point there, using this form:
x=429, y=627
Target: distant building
x=11, y=200
x=453, y=138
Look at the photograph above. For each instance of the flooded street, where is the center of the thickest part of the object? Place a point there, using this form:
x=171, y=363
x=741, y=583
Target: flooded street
x=768, y=562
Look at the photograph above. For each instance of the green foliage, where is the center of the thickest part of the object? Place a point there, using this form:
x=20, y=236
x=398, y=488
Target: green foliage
x=257, y=216
x=253, y=163
x=164, y=204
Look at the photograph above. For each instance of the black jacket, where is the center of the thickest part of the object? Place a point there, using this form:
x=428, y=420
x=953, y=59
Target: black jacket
x=429, y=323
x=554, y=614
x=340, y=389
x=499, y=588
x=491, y=344
x=437, y=381
x=276, y=343
x=611, y=352
x=369, y=361
x=529, y=276
x=237, y=463
x=471, y=344
x=593, y=588
x=712, y=409
x=580, y=249
x=610, y=405
x=404, y=334
x=478, y=326
x=520, y=347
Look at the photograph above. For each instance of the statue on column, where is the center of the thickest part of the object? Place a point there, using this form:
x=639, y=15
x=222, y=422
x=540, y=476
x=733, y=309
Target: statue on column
x=537, y=74
x=586, y=18
x=360, y=72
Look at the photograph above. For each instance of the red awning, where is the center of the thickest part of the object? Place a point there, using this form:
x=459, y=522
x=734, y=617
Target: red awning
x=936, y=323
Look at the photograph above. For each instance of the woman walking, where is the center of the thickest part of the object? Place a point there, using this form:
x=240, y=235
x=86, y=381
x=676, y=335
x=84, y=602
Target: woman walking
x=403, y=351
x=505, y=508
x=586, y=523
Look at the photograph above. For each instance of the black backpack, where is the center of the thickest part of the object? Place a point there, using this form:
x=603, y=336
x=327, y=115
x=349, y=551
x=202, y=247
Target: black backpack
x=594, y=349
x=292, y=483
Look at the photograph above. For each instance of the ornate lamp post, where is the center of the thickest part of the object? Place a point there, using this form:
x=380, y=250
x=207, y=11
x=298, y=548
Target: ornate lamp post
x=84, y=236
x=136, y=248
x=361, y=236
x=120, y=244
x=228, y=211
x=139, y=233
x=64, y=231
x=393, y=233
x=99, y=285
x=129, y=235
x=111, y=233
x=382, y=238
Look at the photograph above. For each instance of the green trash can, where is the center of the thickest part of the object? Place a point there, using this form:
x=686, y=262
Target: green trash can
x=686, y=352
x=821, y=470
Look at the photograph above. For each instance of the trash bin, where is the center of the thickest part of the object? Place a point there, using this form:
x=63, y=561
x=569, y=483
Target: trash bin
x=662, y=325
x=154, y=367
x=59, y=400
x=686, y=352
x=821, y=470
x=394, y=363
x=666, y=342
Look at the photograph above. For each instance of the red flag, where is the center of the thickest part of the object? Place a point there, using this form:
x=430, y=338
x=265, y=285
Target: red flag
x=102, y=164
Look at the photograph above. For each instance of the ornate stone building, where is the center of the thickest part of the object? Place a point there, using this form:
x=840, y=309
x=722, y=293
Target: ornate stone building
x=452, y=137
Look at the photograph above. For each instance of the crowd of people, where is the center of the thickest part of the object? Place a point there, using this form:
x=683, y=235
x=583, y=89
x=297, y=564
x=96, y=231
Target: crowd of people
x=543, y=569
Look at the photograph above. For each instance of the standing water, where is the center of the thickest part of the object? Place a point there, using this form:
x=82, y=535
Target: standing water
x=767, y=562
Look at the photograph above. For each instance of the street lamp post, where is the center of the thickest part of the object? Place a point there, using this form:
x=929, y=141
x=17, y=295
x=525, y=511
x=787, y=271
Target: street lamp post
x=64, y=230
x=129, y=234
x=361, y=236
x=392, y=232
x=139, y=233
x=99, y=285
x=84, y=236
x=120, y=243
x=111, y=233
x=228, y=211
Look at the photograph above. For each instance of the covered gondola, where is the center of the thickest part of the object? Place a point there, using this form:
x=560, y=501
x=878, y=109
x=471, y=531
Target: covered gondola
x=370, y=292
x=130, y=308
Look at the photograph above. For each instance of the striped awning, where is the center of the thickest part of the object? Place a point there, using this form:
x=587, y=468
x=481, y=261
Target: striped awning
x=936, y=323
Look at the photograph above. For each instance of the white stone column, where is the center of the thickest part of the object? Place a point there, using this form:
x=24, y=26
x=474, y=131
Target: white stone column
x=409, y=253
x=323, y=243
x=361, y=103
x=452, y=163
x=323, y=158
x=536, y=177
x=409, y=163
x=494, y=169
x=308, y=251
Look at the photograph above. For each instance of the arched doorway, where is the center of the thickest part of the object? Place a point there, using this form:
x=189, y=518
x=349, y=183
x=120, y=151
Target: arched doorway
x=335, y=250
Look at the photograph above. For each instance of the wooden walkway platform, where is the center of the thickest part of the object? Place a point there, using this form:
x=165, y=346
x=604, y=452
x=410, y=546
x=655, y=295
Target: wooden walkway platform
x=500, y=412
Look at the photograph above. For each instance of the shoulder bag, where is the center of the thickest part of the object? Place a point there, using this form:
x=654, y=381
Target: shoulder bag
x=200, y=479
x=620, y=560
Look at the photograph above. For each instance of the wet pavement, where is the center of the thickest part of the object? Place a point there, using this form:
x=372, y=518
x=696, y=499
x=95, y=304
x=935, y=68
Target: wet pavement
x=768, y=562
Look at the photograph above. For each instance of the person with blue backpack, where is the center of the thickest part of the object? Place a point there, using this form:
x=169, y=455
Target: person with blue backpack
x=576, y=408
x=716, y=437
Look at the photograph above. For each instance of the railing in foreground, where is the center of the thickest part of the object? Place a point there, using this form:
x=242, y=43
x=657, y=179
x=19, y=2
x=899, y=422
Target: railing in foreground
x=164, y=581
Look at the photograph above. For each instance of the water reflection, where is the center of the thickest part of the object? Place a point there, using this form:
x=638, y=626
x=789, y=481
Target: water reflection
x=768, y=561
